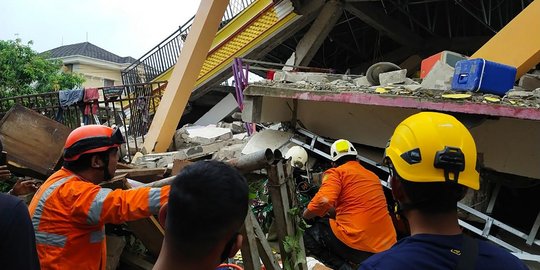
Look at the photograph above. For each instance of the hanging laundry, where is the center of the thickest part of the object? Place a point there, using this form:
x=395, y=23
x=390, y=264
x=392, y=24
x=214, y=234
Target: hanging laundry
x=91, y=96
x=67, y=98
x=112, y=92
x=70, y=97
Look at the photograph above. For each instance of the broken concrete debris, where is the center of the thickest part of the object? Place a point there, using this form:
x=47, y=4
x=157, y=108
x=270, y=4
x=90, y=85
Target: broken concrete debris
x=189, y=135
x=362, y=82
x=393, y=77
x=439, y=77
x=236, y=127
x=209, y=134
x=529, y=81
x=393, y=81
x=374, y=70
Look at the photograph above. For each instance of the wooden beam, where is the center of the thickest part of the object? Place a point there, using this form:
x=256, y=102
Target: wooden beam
x=317, y=33
x=250, y=253
x=184, y=75
x=143, y=172
x=395, y=30
x=518, y=43
x=265, y=251
x=280, y=182
x=150, y=232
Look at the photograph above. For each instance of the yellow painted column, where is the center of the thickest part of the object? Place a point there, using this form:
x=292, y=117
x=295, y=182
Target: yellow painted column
x=518, y=43
x=184, y=75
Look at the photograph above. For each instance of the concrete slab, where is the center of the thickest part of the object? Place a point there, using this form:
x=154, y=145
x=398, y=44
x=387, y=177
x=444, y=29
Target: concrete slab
x=221, y=110
x=267, y=138
x=208, y=134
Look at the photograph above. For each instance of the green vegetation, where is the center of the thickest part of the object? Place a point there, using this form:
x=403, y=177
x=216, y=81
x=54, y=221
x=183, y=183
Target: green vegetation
x=23, y=71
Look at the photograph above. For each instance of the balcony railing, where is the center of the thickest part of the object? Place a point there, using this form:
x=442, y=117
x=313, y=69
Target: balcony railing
x=163, y=56
x=130, y=107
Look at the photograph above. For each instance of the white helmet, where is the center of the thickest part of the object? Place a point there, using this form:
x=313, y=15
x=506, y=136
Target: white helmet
x=298, y=156
x=342, y=148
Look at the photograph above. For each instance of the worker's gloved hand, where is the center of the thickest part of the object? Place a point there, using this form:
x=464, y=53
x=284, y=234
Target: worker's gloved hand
x=311, y=221
x=5, y=174
x=23, y=187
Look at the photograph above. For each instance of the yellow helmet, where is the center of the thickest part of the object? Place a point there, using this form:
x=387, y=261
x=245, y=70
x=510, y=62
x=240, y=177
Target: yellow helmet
x=342, y=148
x=433, y=147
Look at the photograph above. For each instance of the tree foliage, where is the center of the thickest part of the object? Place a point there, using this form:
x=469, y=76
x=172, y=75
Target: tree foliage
x=23, y=71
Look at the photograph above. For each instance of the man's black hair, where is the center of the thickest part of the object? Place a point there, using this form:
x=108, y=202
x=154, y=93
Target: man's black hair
x=208, y=203
x=344, y=159
x=84, y=161
x=432, y=198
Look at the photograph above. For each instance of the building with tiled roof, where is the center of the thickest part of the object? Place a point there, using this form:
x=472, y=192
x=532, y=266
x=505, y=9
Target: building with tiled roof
x=99, y=66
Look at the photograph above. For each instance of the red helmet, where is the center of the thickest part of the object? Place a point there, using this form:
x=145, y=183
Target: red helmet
x=91, y=139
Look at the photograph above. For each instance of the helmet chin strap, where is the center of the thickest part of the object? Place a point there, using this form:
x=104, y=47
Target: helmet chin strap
x=106, y=173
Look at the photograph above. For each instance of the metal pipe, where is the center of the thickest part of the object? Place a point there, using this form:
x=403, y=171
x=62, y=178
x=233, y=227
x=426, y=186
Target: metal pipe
x=247, y=163
x=253, y=161
x=277, y=156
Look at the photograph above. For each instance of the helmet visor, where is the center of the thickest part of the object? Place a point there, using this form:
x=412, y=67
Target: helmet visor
x=116, y=137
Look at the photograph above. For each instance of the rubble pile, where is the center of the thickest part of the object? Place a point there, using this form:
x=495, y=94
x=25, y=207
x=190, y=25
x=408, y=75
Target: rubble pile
x=436, y=86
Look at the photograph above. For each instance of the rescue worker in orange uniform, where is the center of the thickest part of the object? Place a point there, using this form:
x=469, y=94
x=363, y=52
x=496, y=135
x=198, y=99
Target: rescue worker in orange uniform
x=357, y=222
x=69, y=210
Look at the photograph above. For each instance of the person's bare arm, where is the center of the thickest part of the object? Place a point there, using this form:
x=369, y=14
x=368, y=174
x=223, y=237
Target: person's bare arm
x=23, y=187
x=5, y=174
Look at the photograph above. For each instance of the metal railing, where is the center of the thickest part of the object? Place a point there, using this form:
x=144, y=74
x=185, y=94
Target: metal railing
x=163, y=56
x=130, y=107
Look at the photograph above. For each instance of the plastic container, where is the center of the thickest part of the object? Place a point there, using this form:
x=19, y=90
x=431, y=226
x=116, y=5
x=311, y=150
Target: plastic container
x=480, y=75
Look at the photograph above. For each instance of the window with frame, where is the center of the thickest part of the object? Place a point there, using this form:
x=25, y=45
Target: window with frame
x=107, y=82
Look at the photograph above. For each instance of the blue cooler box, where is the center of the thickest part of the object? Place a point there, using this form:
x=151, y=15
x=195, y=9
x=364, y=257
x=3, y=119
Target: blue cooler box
x=483, y=76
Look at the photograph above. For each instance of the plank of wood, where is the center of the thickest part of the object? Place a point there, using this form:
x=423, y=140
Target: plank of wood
x=250, y=253
x=150, y=232
x=143, y=175
x=33, y=140
x=141, y=172
x=281, y=191
x=121, y=165
x=265, y=251
x=178, y=166
x=118, y=182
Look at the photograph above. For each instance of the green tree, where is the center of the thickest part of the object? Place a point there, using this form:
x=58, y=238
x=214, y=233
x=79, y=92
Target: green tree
x=23, y=71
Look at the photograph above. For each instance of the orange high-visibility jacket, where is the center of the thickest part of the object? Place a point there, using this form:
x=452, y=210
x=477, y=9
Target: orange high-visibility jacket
x=362, y=220
x=69, y=215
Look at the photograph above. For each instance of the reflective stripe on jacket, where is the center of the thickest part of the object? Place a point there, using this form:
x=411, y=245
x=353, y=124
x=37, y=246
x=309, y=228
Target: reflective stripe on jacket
x=362, y=220
x=69, y=215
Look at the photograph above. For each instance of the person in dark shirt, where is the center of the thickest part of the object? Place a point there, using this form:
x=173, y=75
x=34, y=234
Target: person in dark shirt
x=17, y=238
x=208, y=203
x=432, y=161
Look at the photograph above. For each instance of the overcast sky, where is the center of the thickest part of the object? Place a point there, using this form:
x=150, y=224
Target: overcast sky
x=123, y=27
